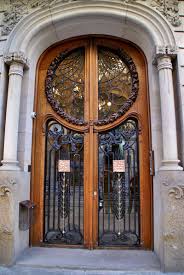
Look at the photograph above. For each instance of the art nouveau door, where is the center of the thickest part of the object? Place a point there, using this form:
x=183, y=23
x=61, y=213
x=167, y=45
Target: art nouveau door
x=90, y=176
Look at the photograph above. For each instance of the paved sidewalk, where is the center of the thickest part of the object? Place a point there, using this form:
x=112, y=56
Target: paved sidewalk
x=62, y=261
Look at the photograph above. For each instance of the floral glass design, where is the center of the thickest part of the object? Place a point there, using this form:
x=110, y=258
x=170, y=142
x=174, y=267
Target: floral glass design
x=65, y=85
x=117, y=84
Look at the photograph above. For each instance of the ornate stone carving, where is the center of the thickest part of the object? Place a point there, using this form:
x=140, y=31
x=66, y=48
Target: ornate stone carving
x=169, y=8
x=6, y=225
x=4, y=190
x=18, y=9
x=18, y=57
x=163, y=51
x=173, y=230
x=166, y=50
x=177, y=192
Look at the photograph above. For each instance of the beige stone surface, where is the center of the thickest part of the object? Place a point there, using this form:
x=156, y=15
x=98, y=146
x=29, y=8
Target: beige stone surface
x=32, y=28
x=14, y=187
x=172, y=235
x=6, y=224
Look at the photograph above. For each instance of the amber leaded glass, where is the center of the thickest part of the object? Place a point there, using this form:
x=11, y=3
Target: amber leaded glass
x=65, y=85
x=115, y=82
x=117, y=85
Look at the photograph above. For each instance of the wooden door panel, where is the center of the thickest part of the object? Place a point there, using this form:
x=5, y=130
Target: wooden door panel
x=139, y=110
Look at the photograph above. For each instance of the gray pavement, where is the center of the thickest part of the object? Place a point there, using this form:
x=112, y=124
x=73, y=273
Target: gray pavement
x=84, y=262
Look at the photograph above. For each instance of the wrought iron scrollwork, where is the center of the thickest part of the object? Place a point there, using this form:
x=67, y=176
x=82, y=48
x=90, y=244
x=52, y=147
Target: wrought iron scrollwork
x=119, y=215
x=118, y=196
x=63, y=190
x=63, y=196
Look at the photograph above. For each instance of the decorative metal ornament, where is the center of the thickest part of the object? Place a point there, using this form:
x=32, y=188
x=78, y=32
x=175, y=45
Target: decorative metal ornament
x=63, y=193
x=119, y=197
x=119, y=193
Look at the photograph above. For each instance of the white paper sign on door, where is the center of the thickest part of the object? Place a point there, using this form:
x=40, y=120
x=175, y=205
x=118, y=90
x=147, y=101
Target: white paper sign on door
x=64, y=166
x=119, y=165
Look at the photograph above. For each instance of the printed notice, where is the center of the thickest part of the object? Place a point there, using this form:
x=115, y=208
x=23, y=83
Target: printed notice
x=64, y=166
x=119, y=165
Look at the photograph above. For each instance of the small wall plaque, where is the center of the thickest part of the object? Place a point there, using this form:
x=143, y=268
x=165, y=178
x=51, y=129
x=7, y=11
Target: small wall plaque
x=119, y=165
x=64, y=166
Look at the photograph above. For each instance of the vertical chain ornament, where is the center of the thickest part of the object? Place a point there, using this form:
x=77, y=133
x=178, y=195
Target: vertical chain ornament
x=119, y=199
x=63, y=200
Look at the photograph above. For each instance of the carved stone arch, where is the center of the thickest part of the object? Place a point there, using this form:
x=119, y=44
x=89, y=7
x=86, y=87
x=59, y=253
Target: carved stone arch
x=53, y=19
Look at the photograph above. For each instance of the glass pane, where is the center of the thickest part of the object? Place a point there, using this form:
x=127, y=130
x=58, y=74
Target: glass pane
x=114, y=82
x=68, y=84
x=119, y=195
x=63, y=195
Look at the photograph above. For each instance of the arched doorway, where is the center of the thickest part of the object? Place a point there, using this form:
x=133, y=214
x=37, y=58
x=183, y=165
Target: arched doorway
x=90, y=180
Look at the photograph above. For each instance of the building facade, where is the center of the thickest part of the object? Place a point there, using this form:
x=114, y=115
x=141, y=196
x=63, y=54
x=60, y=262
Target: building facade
x=92, y=126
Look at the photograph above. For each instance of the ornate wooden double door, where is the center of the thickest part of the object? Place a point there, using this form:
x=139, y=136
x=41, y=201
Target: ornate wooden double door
x=90, y=172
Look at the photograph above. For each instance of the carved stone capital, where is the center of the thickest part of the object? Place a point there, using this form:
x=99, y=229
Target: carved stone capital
x=166, y=50
x=163, y=52
x=164, y=62
x=177, y=192
x=17, y=57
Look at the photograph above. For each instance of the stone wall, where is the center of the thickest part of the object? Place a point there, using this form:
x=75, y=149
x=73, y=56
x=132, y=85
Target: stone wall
x=14, y=188
x=168, y=199
x=172, y=205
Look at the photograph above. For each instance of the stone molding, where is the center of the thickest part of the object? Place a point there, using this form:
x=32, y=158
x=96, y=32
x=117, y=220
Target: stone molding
x=16, y=69
x=164, y=62
x=17, y=57
x=166, y=50
x=163, y=52
x=177, y=192
x=19, y=9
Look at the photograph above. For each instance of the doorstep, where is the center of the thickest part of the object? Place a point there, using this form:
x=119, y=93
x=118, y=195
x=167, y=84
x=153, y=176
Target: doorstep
x=67, y=261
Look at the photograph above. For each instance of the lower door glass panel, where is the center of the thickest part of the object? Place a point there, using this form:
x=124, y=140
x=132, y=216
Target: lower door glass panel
x=63, y=194
x=119, y=200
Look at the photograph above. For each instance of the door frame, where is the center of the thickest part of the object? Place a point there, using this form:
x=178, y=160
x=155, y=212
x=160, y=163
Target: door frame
x=90, y=143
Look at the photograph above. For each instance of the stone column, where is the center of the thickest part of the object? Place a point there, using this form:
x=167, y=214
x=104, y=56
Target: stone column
x=17, y=63
x=170, y=152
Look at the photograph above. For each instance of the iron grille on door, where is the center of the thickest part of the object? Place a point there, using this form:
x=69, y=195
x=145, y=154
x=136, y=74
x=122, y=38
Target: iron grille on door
x=64, y=197
x=119, y=201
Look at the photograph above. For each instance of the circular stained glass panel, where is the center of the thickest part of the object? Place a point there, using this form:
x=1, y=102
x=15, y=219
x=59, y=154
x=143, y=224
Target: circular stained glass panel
x=117, y=84
x=65, y=85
